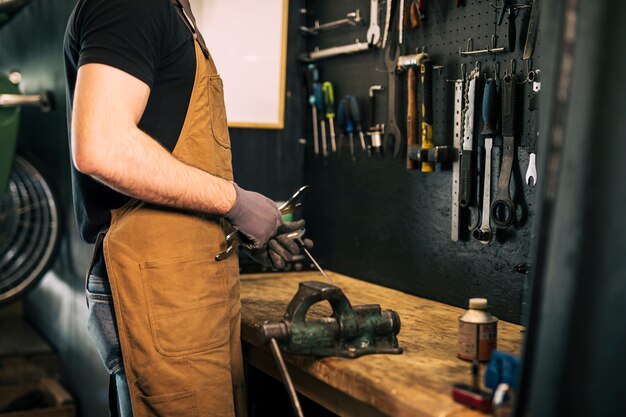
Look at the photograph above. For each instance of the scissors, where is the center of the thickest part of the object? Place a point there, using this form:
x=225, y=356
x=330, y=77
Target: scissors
x=232, y=241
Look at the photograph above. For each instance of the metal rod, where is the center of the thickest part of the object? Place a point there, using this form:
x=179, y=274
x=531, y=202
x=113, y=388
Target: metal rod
x=317, y=265
x=291, y=390
x=335, y=51
x=18, y=100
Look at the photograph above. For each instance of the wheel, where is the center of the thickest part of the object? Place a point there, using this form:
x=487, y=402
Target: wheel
x=29, y=230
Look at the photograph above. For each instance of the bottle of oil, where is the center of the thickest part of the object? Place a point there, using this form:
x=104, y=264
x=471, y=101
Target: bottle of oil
x=478, y=332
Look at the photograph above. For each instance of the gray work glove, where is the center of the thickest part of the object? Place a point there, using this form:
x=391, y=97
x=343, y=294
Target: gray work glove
x=255, y=216
x=280, y=249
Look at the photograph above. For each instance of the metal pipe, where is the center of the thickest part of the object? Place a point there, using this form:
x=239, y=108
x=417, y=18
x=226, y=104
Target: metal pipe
x=335, y=51
x=18, y=100
x=291, y=390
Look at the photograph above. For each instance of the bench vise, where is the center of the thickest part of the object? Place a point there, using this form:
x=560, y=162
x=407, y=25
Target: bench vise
x=349, y=332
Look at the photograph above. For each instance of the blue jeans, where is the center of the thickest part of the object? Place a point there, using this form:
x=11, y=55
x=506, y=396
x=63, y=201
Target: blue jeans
x=103, y=330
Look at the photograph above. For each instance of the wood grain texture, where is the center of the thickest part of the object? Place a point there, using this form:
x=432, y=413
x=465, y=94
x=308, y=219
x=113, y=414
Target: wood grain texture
x=416, y=383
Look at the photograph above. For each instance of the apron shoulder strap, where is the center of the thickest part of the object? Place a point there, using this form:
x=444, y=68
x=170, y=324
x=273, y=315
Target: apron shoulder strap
x=184, y=11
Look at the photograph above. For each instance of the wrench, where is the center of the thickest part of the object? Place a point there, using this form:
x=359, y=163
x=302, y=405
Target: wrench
x=373, y=32
x=388, y=19
x=392, y=131
x=484, y=233
x=503, y=208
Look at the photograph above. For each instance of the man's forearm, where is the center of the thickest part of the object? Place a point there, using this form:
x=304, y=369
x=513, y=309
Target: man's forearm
x=138, y=166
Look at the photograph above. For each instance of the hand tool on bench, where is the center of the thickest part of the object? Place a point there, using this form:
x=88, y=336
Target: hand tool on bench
x=393, y=136
x=376, y=129
x=489, y=131
x=503, y=208
x=329, y=103
x=456, y=163
x=411, y=115
x=533, y=27
x=312, y=77
x=289, y=207
x=531, y=172
x=373, y=32
x=349, y=332
x=426, y=71
x=319, y=104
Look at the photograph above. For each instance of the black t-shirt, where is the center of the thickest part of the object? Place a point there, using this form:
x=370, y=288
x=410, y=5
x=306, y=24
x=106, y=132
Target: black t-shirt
x=148, y=40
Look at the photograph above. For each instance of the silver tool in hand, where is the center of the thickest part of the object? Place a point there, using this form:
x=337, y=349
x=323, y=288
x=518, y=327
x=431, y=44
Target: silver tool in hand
x=297, y=237
x=287, y=208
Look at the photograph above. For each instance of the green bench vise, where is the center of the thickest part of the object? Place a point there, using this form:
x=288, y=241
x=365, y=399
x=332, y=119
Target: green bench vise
x=349, y=332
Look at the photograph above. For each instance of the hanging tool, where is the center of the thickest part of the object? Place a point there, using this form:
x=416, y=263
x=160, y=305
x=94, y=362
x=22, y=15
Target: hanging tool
x=426, y=71
x=390, y=11
x=508, y=5
x=329, y=104
x=533, y=27
x=414, y=14
x=456, y=168
x=289, y=207
x=503, y=208
x=401, y=22
x=494, y=49
x=312, y=76
x=468, y=163
x=319, y=104
x=347, y=125
x=489, y=131
x=393, y=136
x=531, y=172
x=411, y=115
x=376, y=129
x=355, y=116
x=373, y=32
x=352, y=19
x=421, y=7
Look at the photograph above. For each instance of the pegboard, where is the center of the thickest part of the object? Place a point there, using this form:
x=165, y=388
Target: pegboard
x=373, y=218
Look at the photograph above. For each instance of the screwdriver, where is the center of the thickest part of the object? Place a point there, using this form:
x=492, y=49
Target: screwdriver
x=426, y=71
x=355, y=116
x=312, y=78
x=319, y=104
x=297, y=237
x=329, y=103
x=348, y=124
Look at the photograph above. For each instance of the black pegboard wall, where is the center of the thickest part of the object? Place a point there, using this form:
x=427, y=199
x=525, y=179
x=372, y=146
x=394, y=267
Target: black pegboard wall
x=372, y=218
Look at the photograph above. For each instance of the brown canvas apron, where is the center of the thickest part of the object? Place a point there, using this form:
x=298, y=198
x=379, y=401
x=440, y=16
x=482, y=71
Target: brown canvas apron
x=177, y=309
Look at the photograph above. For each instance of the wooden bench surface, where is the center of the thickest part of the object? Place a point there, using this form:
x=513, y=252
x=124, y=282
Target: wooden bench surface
x=416, y=383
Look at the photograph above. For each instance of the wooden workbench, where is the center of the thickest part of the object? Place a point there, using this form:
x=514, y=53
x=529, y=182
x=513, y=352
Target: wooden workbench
x=416, y=383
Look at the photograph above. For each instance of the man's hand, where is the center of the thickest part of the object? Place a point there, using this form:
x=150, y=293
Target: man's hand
x=280, y=249
x=256, y=216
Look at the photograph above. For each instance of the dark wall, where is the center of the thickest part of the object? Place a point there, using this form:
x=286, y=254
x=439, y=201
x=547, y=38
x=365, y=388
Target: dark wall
x=264, y=160
x=376, y=220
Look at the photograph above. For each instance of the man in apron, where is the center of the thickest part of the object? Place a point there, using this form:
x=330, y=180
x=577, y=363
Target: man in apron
x=153, y=190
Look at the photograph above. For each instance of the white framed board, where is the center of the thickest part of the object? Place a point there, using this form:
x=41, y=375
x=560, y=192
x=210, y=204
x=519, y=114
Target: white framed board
x=248, y=42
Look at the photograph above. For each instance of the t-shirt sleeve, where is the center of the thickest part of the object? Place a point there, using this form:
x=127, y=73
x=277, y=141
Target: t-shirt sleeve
x=124, y=34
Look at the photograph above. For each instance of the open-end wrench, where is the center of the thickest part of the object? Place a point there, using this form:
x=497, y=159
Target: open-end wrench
x=490, y=120
x=503, y=208
x=456, y=164
x=392, y=131
x=373, y=32
x=388, y=20
x=401, y=22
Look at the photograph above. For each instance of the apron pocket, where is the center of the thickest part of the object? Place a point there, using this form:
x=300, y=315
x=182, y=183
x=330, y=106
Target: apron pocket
x=171, y=405
x=219, y=123
x=187, y=303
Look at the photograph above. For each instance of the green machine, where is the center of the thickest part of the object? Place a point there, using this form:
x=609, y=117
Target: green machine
x=29, y=213
x=9, y=125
